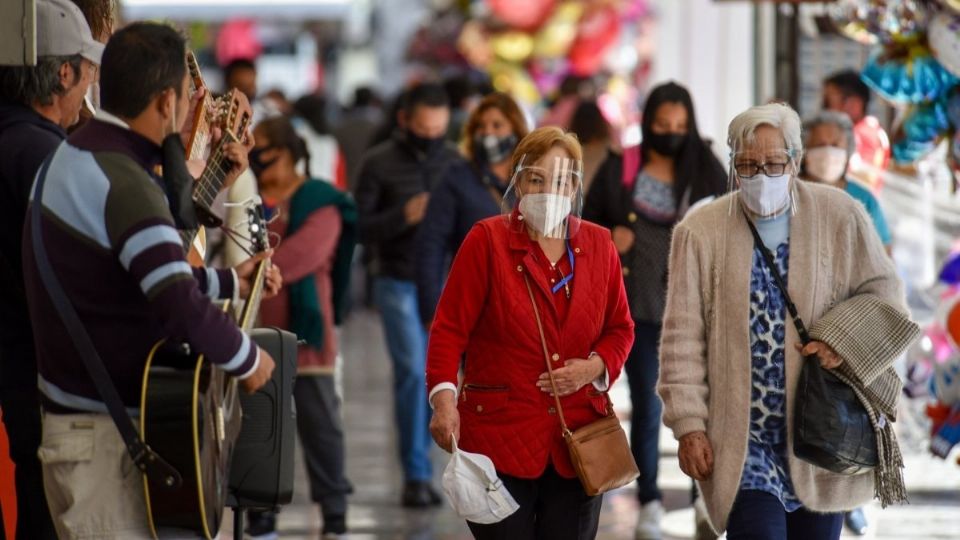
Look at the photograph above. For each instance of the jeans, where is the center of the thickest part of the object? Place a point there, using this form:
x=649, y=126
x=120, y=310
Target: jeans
x=758, y=515
x=642, y=368
x=551, y=508
x=407, y=343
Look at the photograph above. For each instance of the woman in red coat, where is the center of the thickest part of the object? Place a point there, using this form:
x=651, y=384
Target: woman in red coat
x=503, y=408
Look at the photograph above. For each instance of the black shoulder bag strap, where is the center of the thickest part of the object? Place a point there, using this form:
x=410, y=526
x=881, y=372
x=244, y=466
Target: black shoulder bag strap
x=150, y=463
x=772, y=265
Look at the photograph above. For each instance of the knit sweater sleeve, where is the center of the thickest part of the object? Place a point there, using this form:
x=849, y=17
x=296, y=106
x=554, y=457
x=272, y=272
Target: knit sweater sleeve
x=311, y=246
x=143, y=238
x=683, y=347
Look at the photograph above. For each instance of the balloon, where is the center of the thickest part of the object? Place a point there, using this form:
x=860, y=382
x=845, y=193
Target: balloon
x=598, y=31
x=872, y=22
x=944, y=38
x=555, y=37
x=946, y=381
x=910, y=75
x=522, y=15
x=512, y=46
x=514, y=80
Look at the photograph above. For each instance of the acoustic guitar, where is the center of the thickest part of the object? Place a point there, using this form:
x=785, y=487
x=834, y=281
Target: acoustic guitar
x=232, y=114
x=190, y=413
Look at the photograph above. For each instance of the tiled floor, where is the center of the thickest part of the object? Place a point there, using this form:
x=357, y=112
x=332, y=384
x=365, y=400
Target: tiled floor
x=934, y=512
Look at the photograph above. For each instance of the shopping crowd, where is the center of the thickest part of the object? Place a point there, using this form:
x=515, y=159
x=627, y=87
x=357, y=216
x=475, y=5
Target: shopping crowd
x=519, y=268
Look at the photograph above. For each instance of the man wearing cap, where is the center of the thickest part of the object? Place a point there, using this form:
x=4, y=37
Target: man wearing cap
x=37, y=104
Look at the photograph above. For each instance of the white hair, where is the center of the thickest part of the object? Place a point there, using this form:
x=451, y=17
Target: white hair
x=779, y=116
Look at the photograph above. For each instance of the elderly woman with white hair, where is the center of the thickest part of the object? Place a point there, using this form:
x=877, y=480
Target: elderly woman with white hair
x=830, y=143
x=730, y=357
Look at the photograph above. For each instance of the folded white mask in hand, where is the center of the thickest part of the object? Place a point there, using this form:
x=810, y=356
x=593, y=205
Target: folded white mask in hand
x=474, y=490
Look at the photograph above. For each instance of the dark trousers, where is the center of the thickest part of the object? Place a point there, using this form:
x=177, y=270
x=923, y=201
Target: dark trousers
x=551, y=508
x=20, y=404
x=643, y=368
x=320, y=426
x=758, y=515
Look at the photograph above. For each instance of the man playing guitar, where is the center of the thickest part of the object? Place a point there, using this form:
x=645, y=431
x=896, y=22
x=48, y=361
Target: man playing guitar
x=110, y=236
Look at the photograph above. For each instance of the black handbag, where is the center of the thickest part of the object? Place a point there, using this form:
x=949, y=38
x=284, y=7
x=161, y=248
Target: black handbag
x=831, y=427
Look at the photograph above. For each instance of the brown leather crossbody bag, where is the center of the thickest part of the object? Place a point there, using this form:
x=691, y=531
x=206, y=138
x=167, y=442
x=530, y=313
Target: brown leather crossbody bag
x=599, y=450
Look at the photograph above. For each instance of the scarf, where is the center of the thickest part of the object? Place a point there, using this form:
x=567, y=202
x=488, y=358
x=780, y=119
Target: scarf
x=306, y=319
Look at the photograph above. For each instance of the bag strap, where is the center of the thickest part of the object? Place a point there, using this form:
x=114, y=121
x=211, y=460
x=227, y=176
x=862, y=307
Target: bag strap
x=145, y=459
x=772, y=265
x=546, y=356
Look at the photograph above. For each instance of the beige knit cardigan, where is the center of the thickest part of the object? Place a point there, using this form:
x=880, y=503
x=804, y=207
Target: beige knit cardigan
x=705, y=376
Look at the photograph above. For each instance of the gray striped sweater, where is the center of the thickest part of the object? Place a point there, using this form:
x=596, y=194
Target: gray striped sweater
x=112, y=243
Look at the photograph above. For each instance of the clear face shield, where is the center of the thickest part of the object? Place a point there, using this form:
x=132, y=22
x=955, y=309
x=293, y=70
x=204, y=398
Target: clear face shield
x=765, y=176
x=545, y=195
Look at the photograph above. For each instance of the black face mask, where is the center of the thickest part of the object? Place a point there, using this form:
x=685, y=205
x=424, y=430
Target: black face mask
x=257, y=163
x=666, y=144
x=424, y=145
x=178, y=182
x=490, y=149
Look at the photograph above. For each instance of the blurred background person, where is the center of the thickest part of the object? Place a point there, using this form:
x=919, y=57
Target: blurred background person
x=326, y=161
x=315, y=227
x=641, y=195
x=393, y=189
x=464, y=96
x=471, y=190
x=594, y=133
x=830, y=143
x=241, y=74
x=356, y=129
x=846, y=92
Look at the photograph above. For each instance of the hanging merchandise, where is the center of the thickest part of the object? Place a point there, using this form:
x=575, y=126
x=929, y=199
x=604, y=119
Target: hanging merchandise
x=944, y=39
x=555, y=37
x=871, y=22
x=907, y=74
x=526, y=15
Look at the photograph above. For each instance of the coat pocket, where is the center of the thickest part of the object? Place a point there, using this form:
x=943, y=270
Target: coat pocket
x=73, y=447
x=482, y=399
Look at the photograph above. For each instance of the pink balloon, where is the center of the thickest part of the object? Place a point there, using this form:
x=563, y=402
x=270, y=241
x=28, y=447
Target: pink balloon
x=599, y=30
x=525, y=14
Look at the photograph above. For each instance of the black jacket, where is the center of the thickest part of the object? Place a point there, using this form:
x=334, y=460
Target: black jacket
x=466, y=195
x=391, y=174
x=26, y=139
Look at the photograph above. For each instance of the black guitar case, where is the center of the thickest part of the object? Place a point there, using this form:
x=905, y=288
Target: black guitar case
x=261, y=474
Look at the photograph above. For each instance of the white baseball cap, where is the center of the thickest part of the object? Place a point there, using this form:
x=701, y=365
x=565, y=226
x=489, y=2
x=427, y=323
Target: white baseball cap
x=62, y=30
x=474, y=490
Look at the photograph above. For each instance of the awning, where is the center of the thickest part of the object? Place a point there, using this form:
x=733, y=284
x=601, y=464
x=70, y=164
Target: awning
x=219, y=10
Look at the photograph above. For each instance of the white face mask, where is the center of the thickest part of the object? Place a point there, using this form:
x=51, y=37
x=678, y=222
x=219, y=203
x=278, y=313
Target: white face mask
x=765, y=195
x=545, y=211
x=827, y=163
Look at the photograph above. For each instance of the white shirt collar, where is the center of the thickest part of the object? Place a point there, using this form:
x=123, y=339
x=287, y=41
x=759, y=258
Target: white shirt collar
x=104, y=116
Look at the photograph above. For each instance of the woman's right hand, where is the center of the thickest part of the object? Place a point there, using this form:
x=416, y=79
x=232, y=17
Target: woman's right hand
x=446, y=420
x=623, y=238
x=696, y=456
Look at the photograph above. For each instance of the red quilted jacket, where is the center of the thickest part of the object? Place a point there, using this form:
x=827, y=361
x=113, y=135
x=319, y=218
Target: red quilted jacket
x=485, y=314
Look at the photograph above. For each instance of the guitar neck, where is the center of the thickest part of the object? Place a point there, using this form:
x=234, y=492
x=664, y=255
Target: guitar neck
x=209, y=184
x=248, y=315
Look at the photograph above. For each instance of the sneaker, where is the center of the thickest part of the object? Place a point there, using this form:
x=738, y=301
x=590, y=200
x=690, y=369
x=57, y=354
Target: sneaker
x=648, y=521
x=262, y=525
x=703, y=531
x=856, y=521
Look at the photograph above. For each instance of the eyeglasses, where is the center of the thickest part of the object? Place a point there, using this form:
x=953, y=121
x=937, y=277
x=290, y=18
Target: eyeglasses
x=749, y=169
